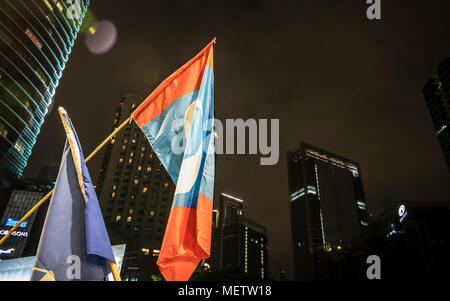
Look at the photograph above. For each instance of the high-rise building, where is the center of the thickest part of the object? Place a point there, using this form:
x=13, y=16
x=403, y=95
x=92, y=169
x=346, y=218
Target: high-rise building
x=36, y=38
x=327, y=204
x=229, y=212
x=135, y=191
x=241, y=243
x=214, y=259
x=231, y=208
x=437, y=96
x=48, y=174
x=245, y=246
x=25, y=240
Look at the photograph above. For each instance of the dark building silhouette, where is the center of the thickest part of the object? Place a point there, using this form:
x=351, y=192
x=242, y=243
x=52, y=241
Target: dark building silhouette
x=214, y=259
x=245, y=247
x=48, y=174
x=36, y=38
x=437, y=96
x=241, y=243
x=135, y=194
x=412, y=243
x=229, y=212
x=327, y=204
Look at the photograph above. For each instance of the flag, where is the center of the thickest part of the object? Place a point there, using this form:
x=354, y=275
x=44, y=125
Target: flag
x=74, y=243
x=177, y=119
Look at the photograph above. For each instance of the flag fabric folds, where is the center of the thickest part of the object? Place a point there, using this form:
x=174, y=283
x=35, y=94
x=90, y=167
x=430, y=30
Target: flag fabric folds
x=74, y=242
x=177, y=119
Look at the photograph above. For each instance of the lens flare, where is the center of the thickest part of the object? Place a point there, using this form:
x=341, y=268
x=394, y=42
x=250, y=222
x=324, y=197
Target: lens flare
x=101, y=37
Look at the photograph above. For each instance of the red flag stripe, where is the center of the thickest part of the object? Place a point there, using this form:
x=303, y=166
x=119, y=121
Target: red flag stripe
x=185, y=80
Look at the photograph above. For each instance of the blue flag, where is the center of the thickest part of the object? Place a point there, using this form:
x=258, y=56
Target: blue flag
x=74, y=243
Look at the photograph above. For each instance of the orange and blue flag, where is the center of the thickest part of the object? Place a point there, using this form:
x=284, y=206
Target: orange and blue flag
x=177, y=119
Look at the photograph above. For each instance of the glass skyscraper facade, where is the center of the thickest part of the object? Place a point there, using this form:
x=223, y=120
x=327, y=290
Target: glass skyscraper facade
x=36, y=38
x=327, y=204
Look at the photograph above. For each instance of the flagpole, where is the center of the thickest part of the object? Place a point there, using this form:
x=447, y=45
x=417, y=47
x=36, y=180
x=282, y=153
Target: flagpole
x=112, y=265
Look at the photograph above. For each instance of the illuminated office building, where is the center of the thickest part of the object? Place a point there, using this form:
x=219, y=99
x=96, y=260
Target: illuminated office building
x=327, y=204
x=135, y=194
x=437, y=96
x=36, y=38
x=241, y=242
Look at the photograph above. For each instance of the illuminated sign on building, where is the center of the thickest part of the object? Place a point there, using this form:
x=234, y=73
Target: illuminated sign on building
x=8, y=252
x=402, y=212
x=15, y=233
x=11, y=223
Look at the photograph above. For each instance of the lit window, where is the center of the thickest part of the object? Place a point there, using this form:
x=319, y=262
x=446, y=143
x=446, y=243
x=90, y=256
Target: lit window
x=58, y=4
x=149, y=168
x=136, y=181
x=131, y=155
x=124, y=147
x=143, y=148
x=113, y=194
x=145, y=251
x=152, y=213
x=144, y=190
x=33, y=38
x=118, y=218
x=130, y=211
x=166, y=185
x=114, y=187
x=19, y=146
x=129, y=219
x=3, y=130
x=120, y=160
x=361, y=205
x=50, y=7
x=139, y=168
x=130, y=161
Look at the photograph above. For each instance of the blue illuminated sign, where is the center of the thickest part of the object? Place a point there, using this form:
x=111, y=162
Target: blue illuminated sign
x=11, y=223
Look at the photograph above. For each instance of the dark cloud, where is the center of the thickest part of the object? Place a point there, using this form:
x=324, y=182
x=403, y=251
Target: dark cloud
x=333, y=78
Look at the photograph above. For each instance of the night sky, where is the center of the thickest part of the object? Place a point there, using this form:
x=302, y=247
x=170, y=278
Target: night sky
x=334, y=79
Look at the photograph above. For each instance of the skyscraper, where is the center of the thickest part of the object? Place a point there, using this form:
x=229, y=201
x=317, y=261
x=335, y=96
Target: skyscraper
x=48, y=174
x=437, y=96
x=231, y=208
x=241, y=242
x=135, y=191
x=36, y=38
x=327, y=203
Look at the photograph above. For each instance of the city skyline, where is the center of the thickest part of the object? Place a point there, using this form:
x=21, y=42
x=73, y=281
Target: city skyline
x=362, y=100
